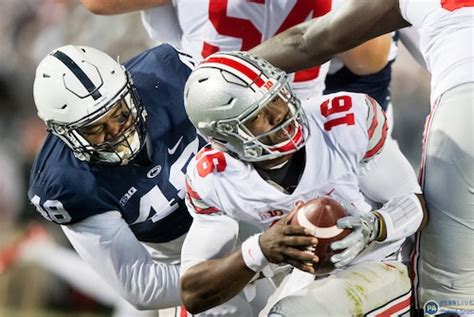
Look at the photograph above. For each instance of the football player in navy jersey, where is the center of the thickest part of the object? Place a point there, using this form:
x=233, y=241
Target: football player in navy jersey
x=111, y=171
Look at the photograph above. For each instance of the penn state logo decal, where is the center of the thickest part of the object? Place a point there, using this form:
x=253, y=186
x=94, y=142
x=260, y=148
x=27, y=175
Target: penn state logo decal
x=154, y=171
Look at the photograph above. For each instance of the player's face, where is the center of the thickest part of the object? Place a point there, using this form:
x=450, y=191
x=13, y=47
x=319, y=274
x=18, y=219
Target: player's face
x=110, y=126
x=270, y=117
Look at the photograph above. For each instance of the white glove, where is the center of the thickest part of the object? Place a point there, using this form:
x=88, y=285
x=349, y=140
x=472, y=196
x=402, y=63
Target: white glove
x=365, y=229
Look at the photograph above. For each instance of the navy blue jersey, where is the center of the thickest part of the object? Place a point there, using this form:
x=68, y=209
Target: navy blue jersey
x=148, y=191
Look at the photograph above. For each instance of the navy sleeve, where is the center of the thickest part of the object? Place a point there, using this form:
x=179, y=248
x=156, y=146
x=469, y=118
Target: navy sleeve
x=69, y=198
x=62, y=188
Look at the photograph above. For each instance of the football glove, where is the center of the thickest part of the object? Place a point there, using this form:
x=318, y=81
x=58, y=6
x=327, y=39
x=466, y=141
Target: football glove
x=365, y=228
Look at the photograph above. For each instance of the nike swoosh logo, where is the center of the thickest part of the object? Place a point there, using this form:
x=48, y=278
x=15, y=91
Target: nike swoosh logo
x=175, y=147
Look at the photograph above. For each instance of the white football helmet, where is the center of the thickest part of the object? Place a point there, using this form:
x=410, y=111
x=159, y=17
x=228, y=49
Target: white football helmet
x=229, y=88
x=74, y=87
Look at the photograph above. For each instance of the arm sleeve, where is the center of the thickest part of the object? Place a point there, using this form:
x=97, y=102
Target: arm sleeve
x=210, y=237
x=389, y=179
x=108, y=245
x=388, y=175
x=213, y=233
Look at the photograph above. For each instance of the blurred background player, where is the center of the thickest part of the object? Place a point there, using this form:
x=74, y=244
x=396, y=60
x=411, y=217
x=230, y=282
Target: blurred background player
x=206, y=26
x=268, y=151
x=446, y=30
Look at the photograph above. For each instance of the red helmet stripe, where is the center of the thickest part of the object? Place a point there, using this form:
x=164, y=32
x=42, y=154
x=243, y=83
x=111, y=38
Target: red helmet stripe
x=252, y=75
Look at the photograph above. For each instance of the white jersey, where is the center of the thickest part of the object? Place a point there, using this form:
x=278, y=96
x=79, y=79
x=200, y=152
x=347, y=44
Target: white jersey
x=446, y=31
x=209, y=26
x=347, y=131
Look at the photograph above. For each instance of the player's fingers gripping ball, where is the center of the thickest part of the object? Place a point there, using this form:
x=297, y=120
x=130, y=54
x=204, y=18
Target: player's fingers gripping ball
x=320, y=216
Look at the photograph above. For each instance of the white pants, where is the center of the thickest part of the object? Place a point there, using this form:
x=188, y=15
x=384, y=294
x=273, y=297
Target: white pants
x=444, y=258
x=369, y=288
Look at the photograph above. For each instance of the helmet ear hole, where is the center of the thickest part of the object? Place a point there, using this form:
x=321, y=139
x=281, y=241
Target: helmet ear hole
x=60, y=130
x=225, y=128
x=251, y=153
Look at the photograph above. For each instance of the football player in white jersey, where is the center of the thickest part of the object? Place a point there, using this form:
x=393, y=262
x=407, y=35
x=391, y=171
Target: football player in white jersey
x=203, y=27
x=444, y=265
x=265, y=154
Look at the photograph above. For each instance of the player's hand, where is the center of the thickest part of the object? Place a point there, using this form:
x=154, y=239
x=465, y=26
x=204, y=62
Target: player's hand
x=285, y=243
x=364, y=230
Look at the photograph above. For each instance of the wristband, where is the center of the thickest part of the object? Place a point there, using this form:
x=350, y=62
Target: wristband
x=381, y=227
x=252, y=254
x=402, y=216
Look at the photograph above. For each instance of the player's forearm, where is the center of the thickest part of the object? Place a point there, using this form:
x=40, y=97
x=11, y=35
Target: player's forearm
x=150, y=285
x=214, y=282
x=309, y=44
x=355, y=23
x=144, y=283
x=316, y=41
x=290, y=50
x=107, y=244
x=401, y=217
x=111, y=7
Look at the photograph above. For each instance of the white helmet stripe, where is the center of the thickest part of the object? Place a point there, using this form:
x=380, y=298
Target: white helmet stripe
x=79, y=73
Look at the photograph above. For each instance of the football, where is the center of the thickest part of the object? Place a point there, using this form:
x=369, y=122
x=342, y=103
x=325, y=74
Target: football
x=320, y=215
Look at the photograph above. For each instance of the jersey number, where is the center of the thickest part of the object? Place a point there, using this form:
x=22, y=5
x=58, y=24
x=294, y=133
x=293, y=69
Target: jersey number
x=154, y=199
x=339, y=104
x=452, y=5
x=53, y=210
x=246, y=31
x=208, y=162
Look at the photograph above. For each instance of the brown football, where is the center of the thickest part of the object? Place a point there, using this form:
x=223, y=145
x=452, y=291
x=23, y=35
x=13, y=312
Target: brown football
x=320, y=215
